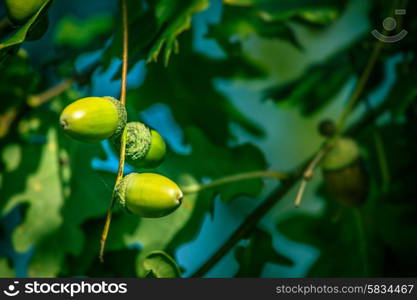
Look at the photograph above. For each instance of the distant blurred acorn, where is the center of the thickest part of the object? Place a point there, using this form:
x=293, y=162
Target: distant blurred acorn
x=344, y=173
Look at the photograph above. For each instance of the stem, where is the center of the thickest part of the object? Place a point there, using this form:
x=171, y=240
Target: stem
x=39, y=99
x=309, y=171
x=125, y=52
x=300, y=192
x=233, y=178
x=120, y=170
x=49, y=94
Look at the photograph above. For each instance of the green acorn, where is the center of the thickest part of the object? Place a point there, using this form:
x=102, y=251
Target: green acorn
x=93, y=119
x=145, y=148
x=344, y=173
x=148, y=195
x=19, y=11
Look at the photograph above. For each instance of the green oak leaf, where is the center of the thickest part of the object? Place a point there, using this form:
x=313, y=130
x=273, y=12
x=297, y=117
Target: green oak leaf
x=155, y=28
x=191, y=94
x=40, y=193
x=20, y=35
x=59, y=180
x=243, y=22
x=269, y=19
x=174, y=17
x=285, y=9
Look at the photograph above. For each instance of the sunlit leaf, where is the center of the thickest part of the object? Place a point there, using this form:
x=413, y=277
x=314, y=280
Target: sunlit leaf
x=159, y=264
x=155, y=28
x=78, y=34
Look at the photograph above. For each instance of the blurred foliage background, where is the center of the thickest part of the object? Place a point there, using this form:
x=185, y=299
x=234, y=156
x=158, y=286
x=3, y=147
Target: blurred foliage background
x=233, y=86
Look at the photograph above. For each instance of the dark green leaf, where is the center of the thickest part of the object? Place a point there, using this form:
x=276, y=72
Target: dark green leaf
x=191, y=95
x=259, y=251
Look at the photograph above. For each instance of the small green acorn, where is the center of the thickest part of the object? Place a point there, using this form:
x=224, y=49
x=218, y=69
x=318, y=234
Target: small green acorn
x=148, y=195
x=93, y=119
x=145, y=148
x=344, y=173
x=19, y=11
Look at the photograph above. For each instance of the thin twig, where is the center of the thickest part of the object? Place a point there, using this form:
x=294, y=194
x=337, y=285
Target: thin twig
x=309, y=172
x=125, y=52
x=300, y=192
x=10, y=116
x=233, y=178
x=39, y=99
x=120, y=170
x=6, y=120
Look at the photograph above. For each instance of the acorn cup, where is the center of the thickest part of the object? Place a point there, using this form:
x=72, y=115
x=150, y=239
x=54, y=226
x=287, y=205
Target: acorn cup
x=145, y=148
x=93, y=119
x=344, y=173
x=20, y=11
x=148, y=195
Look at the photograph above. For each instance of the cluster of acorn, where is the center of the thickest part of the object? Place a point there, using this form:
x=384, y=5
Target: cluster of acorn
x=20, y=11
x=94, y=119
